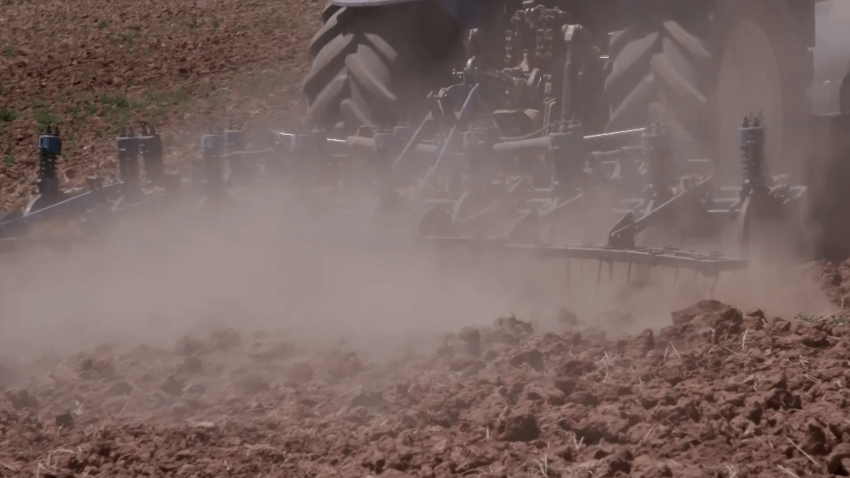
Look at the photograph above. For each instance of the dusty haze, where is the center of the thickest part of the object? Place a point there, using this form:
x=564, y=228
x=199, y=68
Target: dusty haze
x=271, y=268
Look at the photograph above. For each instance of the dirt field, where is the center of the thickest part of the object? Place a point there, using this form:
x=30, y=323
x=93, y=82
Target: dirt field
x=175, y=353
x=96, y=65
x=717, y=392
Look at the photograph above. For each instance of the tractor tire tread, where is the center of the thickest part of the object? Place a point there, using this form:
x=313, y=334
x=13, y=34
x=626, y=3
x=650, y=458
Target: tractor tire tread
x=655, y=76
x=366, y=63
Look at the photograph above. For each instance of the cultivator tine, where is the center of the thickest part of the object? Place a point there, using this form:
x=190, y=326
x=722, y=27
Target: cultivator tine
x=713, y=286
x=598, y=276
x=706, y=264
x=624, y=232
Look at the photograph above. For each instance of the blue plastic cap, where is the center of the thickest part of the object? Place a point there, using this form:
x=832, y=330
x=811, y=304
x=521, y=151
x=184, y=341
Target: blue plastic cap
x=50, y=144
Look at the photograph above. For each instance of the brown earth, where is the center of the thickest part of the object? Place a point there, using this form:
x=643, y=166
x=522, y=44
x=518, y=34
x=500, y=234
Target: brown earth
x=93, y=66
x=716, y=393
x=835, y=280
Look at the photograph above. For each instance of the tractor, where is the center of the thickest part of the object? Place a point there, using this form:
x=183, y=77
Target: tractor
x=699, y=66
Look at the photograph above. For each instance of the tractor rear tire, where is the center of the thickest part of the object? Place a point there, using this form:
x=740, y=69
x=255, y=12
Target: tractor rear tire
x=373, y=66
x=704, y=70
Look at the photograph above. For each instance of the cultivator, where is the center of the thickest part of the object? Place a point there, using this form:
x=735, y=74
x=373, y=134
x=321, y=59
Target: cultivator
x=483, y=206
x=511, y=158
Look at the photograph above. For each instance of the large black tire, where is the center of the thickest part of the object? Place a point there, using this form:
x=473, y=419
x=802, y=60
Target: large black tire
x=693, y=65
x=657, y=73
x=374, y=66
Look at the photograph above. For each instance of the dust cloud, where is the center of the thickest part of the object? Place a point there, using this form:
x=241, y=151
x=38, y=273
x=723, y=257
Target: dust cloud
x=274, y=265
x=268, y=267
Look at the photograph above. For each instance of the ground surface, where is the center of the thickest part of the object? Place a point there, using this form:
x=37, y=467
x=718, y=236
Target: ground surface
x=96, y=65
x=718, y=392
x=712, y=390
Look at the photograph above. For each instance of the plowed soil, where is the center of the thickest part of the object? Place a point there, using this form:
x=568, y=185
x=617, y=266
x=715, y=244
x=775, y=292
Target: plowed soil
x=718, y=392
x=94, y=66
x=713, y=392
